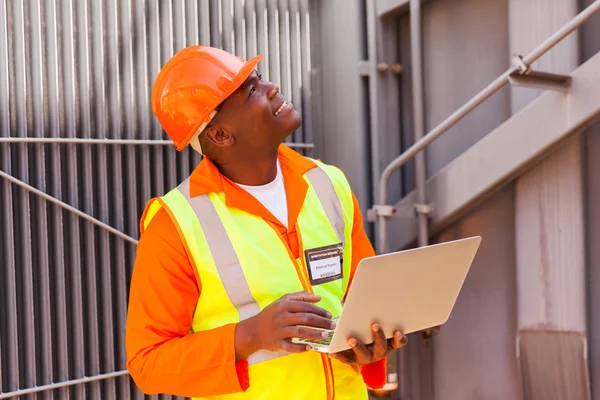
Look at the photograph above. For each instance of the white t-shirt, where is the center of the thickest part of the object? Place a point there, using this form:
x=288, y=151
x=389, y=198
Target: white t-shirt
x=272, y=196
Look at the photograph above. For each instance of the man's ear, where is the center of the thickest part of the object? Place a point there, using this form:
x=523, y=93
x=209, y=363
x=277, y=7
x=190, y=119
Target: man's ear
x=218, y=136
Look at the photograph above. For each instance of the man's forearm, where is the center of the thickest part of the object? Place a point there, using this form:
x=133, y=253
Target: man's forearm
x=198, y=365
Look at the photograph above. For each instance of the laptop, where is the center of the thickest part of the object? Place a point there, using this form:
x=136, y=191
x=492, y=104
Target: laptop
x=409, y=291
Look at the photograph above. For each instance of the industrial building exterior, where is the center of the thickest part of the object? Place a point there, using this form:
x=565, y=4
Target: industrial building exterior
x=502, y=95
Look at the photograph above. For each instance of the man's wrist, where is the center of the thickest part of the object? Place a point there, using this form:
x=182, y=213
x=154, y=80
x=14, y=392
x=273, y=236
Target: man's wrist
x=246, y=340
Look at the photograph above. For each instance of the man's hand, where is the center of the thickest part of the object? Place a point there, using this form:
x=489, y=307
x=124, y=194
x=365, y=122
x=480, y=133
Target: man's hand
x=291, y=316
x=361, y=354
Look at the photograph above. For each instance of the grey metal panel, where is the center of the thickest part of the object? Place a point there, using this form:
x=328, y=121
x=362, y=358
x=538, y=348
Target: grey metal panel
x=339, y=106
x=592, y=216
x=496, y=159
x=450, y=80
x=475, y=353
x=85, y=69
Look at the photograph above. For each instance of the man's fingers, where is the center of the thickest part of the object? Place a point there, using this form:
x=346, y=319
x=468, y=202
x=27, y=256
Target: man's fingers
x=399, y=340
x=304, y=333
x=379, y=342
x=309, y=320
x=363, y=355
x=303, y=296
x=288, y=346
x=307, y=308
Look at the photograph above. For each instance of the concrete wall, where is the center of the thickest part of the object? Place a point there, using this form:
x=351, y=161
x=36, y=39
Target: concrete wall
x=475, y=354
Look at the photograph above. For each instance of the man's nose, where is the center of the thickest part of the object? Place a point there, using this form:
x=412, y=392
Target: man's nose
x=273, y=91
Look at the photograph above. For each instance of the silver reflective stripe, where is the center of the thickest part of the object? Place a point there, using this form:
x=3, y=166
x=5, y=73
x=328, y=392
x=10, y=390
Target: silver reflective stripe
x=329, y=200
x=264, y=355
x=221, y=248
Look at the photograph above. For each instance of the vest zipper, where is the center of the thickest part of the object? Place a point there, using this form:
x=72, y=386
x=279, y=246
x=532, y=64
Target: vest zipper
x=301, y=270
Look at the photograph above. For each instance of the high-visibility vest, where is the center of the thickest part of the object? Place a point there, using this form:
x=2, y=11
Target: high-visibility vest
x=245, y=265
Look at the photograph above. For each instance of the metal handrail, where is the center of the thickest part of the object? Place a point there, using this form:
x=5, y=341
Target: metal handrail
x=67, y=207
x=381, y=209
x=59, y=385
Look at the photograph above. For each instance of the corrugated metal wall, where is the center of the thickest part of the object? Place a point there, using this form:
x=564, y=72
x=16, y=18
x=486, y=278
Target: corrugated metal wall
x=83, y=69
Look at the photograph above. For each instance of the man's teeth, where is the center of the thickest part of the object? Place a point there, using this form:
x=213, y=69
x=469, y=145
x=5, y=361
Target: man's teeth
x=281, y=108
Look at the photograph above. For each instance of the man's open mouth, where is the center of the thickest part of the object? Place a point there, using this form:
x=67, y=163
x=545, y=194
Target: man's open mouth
x=281, y=107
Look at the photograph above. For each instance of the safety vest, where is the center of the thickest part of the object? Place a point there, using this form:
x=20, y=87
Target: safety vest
x=245, y=265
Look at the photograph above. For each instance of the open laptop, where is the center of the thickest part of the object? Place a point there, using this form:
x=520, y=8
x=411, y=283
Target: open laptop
x=409, y=291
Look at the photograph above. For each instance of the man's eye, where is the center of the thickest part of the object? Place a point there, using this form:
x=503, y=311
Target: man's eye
x=252, y=90
x=259, y=77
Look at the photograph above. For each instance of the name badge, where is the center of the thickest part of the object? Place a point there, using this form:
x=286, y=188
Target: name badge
x=325, y=263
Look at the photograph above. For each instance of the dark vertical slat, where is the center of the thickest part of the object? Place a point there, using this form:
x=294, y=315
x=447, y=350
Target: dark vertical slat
x=117, y=259
x=216, y=40
x=285, y=83
x=250, y=26
x=306, y=69
x=73, y=235
x=60, y=361
x=155, y=63
x=180, y=40
x=143, y=67
x=43, y=315
x=273, y=31
x=262, y=33
x=227, y=24
x=103, y=274
x=87, y=193
x=204, y=21
x=8, y=324
x=21, y=92
x=239, y=31
x=295, y=64
x=167, y=43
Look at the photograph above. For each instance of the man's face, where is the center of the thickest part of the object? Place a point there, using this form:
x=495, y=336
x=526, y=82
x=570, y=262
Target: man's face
x=257, y=116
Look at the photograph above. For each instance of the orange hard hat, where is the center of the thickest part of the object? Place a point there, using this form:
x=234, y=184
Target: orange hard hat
x=191, y=85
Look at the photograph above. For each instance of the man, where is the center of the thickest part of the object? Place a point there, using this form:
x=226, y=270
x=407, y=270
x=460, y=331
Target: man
x=223, y=279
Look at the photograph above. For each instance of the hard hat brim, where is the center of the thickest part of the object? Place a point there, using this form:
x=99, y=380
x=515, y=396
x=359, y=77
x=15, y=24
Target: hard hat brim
x=238, y=80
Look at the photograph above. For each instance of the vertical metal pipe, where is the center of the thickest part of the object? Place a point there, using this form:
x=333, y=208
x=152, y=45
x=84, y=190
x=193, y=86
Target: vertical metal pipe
x=285, y=56
x=100, y=183
x=86, y=184
x=262, y=36
x=295, y=64
x=42, y=292
x=22, y=94
x=203, y=21
x=274, y=74
x=155, y=64
x=418, y=115
x=59, y=260
x=10, y=338
x=117, y=16
x=227, y=24
x=214, y=15
x=306, y=72
x=250, y=26
x=239, y=32
x=73, y=244
x=167, y=42
x=181, y=40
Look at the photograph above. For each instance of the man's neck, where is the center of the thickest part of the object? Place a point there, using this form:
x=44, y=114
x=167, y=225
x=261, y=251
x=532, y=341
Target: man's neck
x=250, y=173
